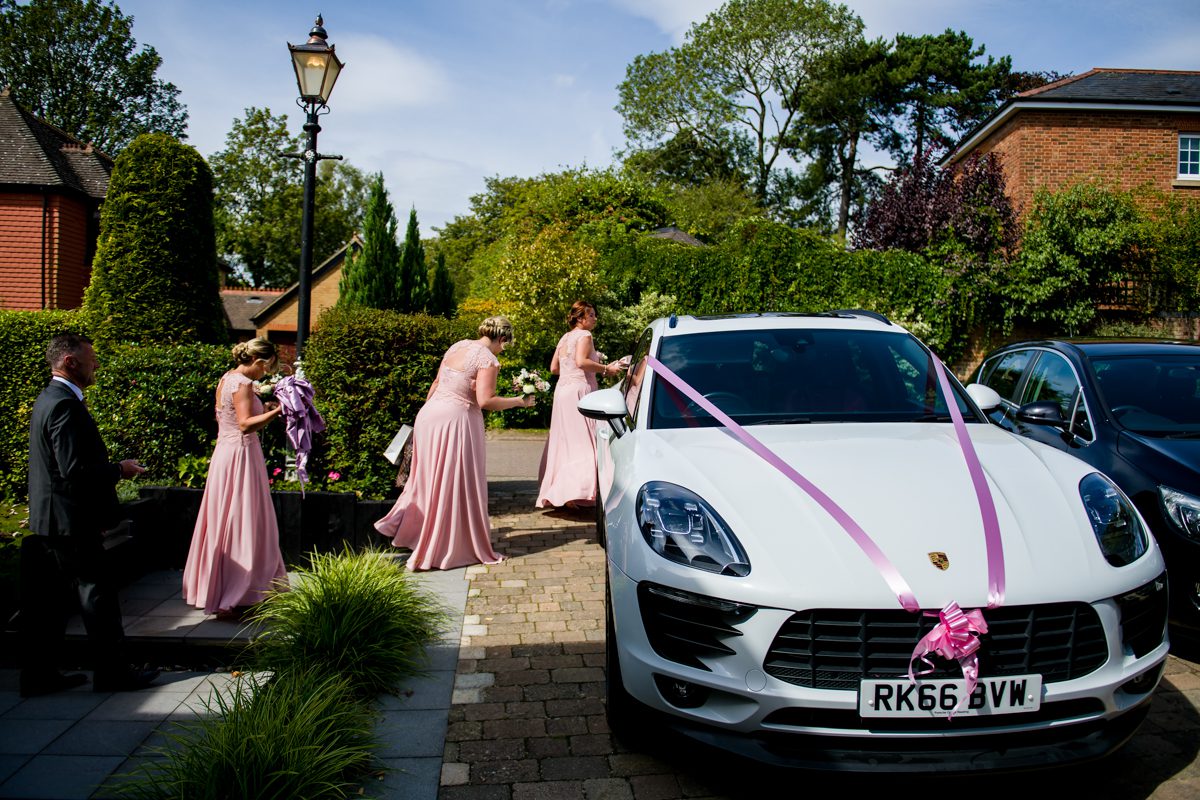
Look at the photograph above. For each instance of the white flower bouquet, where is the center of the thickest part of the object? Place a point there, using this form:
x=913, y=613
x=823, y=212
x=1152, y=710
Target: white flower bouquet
x=529, y=381
x=265, y=388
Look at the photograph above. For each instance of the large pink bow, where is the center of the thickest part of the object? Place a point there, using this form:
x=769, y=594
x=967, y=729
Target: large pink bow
x=955, y=636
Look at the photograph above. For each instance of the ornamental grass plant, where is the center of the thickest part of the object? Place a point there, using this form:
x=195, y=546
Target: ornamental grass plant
x=295, y=734
x=358, y=615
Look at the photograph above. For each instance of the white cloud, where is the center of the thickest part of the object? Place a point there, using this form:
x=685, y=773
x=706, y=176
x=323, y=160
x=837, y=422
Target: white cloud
x=379, y=75
x=673, y=17
x=564, y=81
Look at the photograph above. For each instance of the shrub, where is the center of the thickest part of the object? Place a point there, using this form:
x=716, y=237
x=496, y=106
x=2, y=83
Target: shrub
x=298, y=734
x=156, y=403
x=371, y=371
x=358, y=615
x=154, y=278
x=23, y=374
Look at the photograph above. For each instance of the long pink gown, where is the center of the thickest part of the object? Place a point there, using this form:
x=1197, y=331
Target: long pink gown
x=234, y=558
x=442, y=514
x=568, y=469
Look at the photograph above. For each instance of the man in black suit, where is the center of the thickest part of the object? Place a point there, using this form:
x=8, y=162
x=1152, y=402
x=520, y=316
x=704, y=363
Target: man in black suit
x=72, y=501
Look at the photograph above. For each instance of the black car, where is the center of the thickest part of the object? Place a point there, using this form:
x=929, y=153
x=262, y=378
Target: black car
x=1130, y=408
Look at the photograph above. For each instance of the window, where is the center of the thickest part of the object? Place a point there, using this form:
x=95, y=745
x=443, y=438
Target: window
x=637, y=370
x=1006, y=373
x=1053, y=381
x=1189, y=156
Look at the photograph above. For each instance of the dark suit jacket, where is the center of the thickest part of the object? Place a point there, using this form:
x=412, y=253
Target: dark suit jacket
x=72, y=483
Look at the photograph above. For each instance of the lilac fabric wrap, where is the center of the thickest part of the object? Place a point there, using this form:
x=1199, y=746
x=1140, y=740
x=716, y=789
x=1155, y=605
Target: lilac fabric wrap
x=303, y=421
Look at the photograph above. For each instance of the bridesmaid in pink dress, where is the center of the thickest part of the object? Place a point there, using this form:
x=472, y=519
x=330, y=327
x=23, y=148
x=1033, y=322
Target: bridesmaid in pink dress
x=234, y=558
x=442, y=514
x=568, y=468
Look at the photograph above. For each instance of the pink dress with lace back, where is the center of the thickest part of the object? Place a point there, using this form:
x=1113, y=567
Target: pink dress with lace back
x=234, y=557
x=568, y=468
x=442, y=514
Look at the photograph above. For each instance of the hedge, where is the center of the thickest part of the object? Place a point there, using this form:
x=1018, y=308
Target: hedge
x=23, y=374
x=371, y=371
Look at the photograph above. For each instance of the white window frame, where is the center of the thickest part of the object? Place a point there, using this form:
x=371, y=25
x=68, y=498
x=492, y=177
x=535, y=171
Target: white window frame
x=1193, y=142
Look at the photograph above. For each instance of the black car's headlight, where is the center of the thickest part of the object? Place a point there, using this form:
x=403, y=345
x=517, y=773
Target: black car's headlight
x=681, y=527
x=1182, y=509
x=1118, y=528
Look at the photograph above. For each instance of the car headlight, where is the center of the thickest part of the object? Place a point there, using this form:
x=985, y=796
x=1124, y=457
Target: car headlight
x=1183, y=510
x=681, y=527
x=1118, y=527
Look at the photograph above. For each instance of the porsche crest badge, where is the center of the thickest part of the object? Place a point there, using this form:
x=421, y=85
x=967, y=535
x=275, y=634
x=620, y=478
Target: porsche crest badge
x=940, y=560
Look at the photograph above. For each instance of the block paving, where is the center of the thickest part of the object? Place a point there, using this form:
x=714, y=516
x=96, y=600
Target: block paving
x=527, y=715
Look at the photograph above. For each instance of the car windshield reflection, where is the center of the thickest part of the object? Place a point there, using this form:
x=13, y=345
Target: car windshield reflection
x=794, y=376
x=1153, y=395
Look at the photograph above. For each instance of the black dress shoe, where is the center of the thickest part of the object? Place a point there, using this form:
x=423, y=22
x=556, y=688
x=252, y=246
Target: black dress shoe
x=129, y=680
x=50, y=682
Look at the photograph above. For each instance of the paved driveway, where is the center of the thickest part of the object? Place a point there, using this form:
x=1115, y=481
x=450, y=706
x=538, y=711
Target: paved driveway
x=527, y=716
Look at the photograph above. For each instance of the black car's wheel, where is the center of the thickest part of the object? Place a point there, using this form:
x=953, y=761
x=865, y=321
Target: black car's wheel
x=627, y=717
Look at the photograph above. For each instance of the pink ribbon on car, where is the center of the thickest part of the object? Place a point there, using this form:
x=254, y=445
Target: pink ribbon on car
x=955, y=638
x=955, y=635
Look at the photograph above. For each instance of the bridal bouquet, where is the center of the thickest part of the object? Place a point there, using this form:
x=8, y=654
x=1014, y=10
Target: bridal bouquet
x=528, y=381
x=265, y=389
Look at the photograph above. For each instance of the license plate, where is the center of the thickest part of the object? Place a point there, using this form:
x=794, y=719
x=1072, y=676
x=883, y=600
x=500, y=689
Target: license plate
x=1016, y=694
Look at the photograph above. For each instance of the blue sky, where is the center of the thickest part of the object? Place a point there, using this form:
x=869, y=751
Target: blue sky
x=440, y=94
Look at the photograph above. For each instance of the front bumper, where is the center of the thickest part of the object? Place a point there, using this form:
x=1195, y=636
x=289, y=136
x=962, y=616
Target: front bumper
x=726, y=698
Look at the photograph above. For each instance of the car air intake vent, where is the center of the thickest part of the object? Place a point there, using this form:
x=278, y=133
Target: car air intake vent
x=684, y=627
x=1144, y=616
x=835, y=649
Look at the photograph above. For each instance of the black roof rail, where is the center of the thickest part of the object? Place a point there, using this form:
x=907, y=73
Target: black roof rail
x=862, y=312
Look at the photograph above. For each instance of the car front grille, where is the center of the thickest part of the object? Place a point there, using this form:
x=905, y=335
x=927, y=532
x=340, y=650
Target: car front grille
x=1144, y=616
x=837, y=648
x=683, y=626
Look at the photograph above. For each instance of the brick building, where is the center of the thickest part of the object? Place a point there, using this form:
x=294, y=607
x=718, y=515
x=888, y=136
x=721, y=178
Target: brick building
x=1128, y=127
x=51, y=188
x=277, y=320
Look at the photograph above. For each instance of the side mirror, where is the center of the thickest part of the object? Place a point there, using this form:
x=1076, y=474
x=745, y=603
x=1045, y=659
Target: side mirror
x=987, y=398
x=1042, y=413
x=605, y=405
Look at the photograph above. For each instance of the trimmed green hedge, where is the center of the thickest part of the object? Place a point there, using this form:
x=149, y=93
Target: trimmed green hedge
x=153, y=403
x=371, y=371
x=23, y=374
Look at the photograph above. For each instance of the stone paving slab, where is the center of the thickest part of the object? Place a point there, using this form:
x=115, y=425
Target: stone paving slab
x=528, y=716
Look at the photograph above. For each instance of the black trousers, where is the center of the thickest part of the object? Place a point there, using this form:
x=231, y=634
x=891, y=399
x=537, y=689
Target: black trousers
x=58, y=577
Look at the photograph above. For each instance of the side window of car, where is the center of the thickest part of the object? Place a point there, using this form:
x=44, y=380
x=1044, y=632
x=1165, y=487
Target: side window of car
x=637, y=371
x=1080, y=424
x=1005, y=375
x=1052, y=381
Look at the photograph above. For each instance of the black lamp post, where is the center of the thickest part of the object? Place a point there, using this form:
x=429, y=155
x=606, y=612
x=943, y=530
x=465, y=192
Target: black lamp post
x=317, y=69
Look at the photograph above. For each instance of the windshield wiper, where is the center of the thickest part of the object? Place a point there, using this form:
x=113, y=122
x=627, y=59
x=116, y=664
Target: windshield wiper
x=1181, y=435
x=786, y=421
x=933, y=418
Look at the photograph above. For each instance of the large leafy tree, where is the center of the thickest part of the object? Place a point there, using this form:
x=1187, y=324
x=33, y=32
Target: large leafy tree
x=154, y=279
x=372, y=277
x=942, y=91
x=76, y=64
x=846, y=102
x=736, y=83
x=259, y=200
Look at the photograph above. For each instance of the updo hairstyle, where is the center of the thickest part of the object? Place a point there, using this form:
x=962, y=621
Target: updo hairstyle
x=254, y=350
x=577, y=313
x=496, y=328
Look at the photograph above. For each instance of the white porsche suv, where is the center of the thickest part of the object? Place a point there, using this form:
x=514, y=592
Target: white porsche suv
x=815, y=560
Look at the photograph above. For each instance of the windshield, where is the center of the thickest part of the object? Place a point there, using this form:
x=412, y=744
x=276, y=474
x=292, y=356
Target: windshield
x=797, y=376
x=1157, y=395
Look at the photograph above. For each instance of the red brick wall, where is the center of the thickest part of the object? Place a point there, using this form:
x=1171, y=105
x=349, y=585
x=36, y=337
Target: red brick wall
x=67, y=253
x=1051, y=149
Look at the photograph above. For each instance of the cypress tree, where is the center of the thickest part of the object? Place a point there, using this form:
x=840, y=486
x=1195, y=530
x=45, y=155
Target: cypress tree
x=371, y=277
x=414, y=276
x=154, y=277
x=441, y=296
